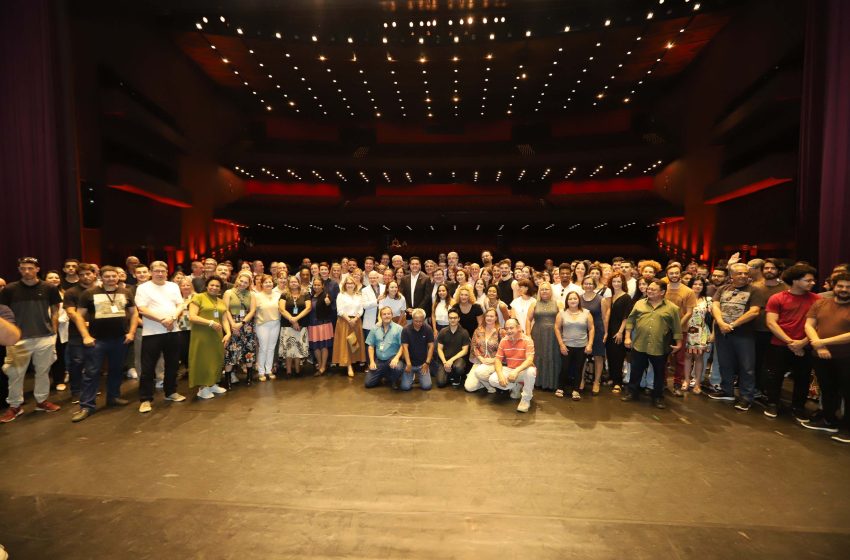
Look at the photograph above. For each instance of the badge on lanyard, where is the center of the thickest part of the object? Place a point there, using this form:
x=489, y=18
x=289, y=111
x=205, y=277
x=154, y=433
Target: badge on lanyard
x=241, y=314
x=215, y=314
x=114, y=308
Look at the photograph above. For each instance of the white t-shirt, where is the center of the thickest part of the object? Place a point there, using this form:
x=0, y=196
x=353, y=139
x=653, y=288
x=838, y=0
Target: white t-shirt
x=162, y=301
x=520, y=307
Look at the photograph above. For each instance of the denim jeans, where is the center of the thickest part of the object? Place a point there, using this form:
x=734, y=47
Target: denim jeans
x=424, y=379
x=75, y=359
x=639, y=363
x=383, y=369
x=114, y=350
x=737, y=351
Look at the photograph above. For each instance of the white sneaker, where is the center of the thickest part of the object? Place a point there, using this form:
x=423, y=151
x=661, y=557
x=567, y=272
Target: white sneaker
x=523, y=405
x=176, y=397
x=234, y=378
x=218, y=390
x=490, y=388
x=132, y=373
x=205, y=393
x=160, y=383
x=145, y=406
x=516, y=391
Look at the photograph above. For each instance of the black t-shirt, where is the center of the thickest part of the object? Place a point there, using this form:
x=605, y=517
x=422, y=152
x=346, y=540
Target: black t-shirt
x=107, y=311
x=452, y=341
x=72, y=299
x=417, y=342
x=65, y=285
x=506, y=292
x=469, y=321
x=31, y=306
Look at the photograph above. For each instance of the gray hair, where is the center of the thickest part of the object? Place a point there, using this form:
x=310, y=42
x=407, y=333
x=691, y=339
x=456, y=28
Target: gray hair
x=418, y=313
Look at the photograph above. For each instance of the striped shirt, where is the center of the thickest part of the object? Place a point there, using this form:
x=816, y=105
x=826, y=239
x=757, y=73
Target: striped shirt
x=514, y=352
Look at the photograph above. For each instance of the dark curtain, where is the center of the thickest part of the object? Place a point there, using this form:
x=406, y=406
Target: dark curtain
x=39, y=207
x=834, y=238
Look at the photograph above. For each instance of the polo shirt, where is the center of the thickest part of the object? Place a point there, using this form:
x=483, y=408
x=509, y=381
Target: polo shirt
x=453, y=342
x=417, y=342
x=386, y=343
x=512, y=353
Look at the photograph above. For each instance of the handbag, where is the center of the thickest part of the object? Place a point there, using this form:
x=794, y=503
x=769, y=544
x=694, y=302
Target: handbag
x=353, y=345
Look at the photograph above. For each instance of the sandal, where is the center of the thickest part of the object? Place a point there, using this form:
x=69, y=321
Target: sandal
x=616, y=389
x=595, y=391
x=576, y=396
x=559, y=393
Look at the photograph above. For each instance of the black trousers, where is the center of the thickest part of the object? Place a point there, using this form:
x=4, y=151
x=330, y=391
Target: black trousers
x=834, y=380
x=616, y=357
x=763, y=345
x=639, y=363
x=457, y=374
x=572, y=368
x=57, y=370
x=779, y=360
x=168, y=346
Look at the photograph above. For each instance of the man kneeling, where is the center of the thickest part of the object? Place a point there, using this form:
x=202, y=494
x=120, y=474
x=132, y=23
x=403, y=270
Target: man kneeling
x=517, y=372
x=384, y=345
x=417, y=342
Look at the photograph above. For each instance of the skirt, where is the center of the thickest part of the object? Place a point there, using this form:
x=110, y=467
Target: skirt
x=342, y=351
x=293, y=344
x=242, y=346
x=321, y=335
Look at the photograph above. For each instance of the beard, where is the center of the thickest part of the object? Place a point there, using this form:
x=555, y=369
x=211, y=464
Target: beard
x=842, y=298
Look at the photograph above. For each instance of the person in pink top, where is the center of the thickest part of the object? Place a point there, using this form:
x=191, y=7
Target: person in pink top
x=515, y=365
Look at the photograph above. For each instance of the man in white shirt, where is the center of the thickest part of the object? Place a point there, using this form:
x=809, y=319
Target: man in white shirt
x=560, y=291
x=160, y=304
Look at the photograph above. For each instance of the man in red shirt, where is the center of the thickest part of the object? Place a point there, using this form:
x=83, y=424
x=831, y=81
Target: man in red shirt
x=828, y=329
x=517, y=373
x=786, y=318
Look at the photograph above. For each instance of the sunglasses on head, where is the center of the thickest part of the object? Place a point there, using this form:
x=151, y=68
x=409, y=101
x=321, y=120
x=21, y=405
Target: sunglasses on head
x=28, y=260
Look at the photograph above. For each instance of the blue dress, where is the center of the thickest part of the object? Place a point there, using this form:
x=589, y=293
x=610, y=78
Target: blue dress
x=595, y=307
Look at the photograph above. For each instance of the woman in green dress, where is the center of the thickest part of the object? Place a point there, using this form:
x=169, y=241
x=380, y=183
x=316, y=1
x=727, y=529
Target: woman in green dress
x=210, y=335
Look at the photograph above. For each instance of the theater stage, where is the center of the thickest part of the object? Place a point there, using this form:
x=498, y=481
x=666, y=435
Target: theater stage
x=310, y=468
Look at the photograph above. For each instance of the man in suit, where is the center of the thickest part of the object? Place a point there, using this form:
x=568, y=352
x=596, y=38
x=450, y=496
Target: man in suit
x=416, y=288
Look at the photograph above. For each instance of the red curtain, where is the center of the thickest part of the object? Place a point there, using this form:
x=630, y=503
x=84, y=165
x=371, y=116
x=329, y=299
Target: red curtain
x=834, y=238
x=40, y=207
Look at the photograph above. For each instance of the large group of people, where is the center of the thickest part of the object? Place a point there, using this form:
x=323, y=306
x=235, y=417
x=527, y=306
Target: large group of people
x=733, y=332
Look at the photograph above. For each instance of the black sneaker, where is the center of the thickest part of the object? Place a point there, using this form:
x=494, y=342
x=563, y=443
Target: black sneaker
x=677, y=392
x=742, y=405
x=762, y=401
x=721, y=396
x=628, y=396
x=659, y=403
x=843, y=436
x=821, y=425
x=800, y=415
x=771, y=411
